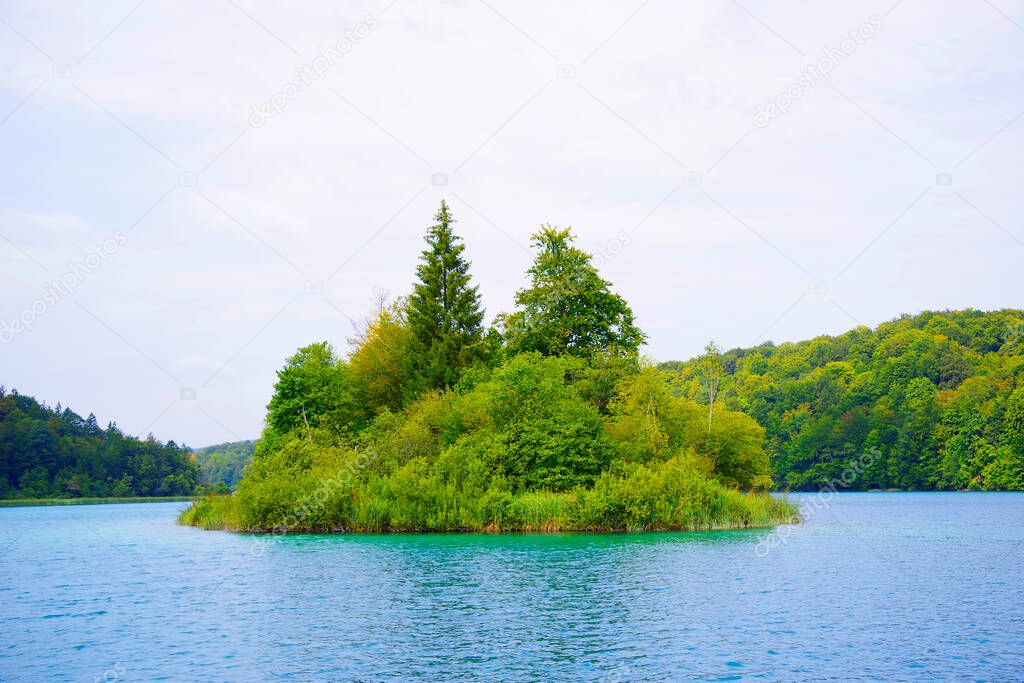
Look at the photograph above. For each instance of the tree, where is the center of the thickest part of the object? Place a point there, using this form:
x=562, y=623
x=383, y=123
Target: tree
x=44, y=446
x=934, y=394
x=1014, y=421
x=710, y=371
x=569, y=309
x=737, y=450
x=313, y=389
x=55, y=452
x=444, y=313
x=378, y=362
x=551, y=438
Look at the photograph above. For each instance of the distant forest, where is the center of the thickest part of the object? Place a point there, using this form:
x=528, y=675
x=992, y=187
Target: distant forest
x=936, y=400
x=221, y=466
x=56, y=453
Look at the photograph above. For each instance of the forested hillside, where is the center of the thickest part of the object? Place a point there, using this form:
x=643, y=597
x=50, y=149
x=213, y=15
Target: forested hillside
x=221, y=466
x=55, y=453
x=937, y=398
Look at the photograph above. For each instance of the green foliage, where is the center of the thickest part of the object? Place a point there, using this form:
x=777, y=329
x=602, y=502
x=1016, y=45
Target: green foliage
x=651, y=422
x=433, y=426
x=710, y=370
x=212, y=512
x=672, y=495
x=940, y=396
x=379, y=362
x=313, y=389
x=568, y=309
x=552, y=438
x=55, y=453
x=221, y=466
x=444, y=313
x=516, y=448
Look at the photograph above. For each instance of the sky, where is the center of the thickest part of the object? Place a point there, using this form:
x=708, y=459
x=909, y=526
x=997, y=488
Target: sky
x=190, y=191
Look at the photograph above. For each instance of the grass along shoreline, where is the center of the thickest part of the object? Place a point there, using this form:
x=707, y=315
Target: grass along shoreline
x=28, y=502
x=531, y=512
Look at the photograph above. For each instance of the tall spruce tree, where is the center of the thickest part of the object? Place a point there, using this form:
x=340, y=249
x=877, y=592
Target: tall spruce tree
x=444, y=312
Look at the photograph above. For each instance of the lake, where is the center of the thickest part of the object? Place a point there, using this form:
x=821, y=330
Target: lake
x=905, y=586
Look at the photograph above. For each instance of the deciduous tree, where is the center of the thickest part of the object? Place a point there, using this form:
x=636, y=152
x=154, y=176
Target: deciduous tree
x=569, y=309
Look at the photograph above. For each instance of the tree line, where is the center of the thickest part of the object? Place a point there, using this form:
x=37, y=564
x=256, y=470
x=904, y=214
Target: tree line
x=939, y=397
x=55, y=453
x=221, y=466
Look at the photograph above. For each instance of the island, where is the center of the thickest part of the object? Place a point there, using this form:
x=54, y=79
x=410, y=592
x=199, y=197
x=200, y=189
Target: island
x=548, y=421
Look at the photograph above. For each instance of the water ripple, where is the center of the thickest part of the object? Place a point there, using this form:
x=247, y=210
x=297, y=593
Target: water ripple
x=895, y=586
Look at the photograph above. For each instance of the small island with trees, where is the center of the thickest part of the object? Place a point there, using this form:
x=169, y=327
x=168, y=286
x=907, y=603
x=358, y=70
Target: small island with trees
x=551, y=420
x=548, y=421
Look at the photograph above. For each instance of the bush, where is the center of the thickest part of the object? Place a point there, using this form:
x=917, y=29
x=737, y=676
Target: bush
x=518, y=449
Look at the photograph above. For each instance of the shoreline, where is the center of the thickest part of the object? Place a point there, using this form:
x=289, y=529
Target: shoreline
x=494, y=532
x=52, y=502
x=500, y=532
x=213, y=514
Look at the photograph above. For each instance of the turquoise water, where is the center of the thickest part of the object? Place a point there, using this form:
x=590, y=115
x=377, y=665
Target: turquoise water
x=884, y=585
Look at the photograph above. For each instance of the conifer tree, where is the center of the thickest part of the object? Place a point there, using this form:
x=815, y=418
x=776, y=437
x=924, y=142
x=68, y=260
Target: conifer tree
x=444, y=313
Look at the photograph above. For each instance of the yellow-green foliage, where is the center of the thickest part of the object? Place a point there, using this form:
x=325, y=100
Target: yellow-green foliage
x=518, y=449
x=212, y=512
x=673, y=495
x=936, y=400
x=549, y=422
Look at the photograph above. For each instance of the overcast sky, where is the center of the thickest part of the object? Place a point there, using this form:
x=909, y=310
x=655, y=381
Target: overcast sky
x=216, y=183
